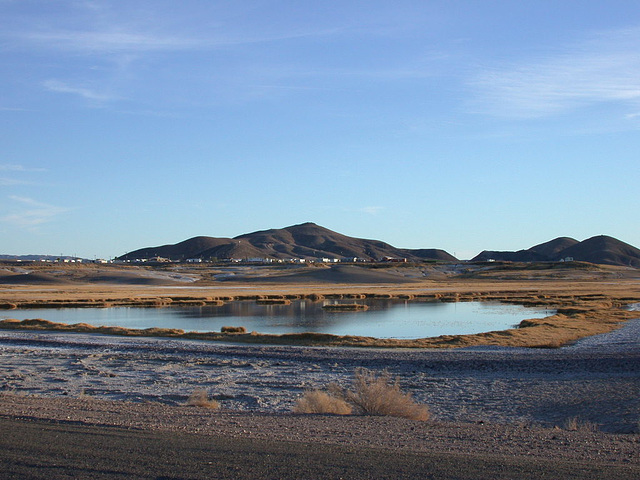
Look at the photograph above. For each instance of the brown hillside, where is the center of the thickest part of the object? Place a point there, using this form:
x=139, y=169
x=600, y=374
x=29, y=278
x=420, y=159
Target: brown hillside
x=309, y=240
x=191, y=248
x=552, y=248
x=604, y=250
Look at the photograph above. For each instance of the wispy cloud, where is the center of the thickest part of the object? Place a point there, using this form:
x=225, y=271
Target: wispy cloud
x=108, y=41
x=9, y=182
x=372, y=210
x=602, y=69
x=29, y=213
x=138, y=39
x=15, y=169
x=86, y=93
x=12, y=109
x=12, y=167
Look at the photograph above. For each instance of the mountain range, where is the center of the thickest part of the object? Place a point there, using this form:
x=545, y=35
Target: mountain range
x=311, y=241
x=305, y=241
x=600, y=249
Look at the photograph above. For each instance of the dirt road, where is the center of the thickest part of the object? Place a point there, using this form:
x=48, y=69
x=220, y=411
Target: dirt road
x=39, y=449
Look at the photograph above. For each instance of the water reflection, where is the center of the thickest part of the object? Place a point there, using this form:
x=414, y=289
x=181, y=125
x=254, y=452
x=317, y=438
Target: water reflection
x=385, y=318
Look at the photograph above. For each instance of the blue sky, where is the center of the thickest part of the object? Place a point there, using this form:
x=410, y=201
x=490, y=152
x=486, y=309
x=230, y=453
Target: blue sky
x=461, y=125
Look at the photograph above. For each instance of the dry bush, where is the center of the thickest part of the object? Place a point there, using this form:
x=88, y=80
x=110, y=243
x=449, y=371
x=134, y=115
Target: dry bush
x=370, y=394
x=574, y=424
x=228, y=329
x=345, y=306
x=200, y=398
x=317, y=401
x=378, y=395
x=273, y=301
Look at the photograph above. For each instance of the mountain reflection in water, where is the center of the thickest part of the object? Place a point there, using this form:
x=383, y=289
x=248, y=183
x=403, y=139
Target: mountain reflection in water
x=385, y=318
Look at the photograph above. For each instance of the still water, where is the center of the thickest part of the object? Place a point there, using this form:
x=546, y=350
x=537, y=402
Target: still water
x=383, y=319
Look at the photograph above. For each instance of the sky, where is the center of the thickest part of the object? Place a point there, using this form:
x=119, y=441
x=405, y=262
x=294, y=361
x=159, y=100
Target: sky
x=460, y=125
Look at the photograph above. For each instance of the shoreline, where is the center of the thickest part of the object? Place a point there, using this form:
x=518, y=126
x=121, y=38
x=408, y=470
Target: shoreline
x=578, y=314
x=595, y=380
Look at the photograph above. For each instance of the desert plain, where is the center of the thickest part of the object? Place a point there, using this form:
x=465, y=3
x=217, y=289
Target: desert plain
x=559, y=395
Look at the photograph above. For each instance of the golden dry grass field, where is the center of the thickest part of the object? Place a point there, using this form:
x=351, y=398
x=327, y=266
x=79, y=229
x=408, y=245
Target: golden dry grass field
x=589, y=299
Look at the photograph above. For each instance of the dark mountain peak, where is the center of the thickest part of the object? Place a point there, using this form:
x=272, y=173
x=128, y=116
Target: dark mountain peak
x=430, y=254
x=305, y=224
x=605, y=241
x=509, y=256
x=305, y=240
x=553, y=247
x=189, y=248
x=309, y=241
x=601, y=249
x=604, y=249
x=307, y=227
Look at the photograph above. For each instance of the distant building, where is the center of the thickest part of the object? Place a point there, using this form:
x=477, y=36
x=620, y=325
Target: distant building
x=327, y=260
x=394, y=260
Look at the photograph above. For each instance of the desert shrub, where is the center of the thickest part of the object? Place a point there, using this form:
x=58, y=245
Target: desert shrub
x=199, y=398
x=370, y=394
x=375, y=394
x=574, y=424
x=233, y=330
x=318, y=401
x=345, y=306
x=274, y=301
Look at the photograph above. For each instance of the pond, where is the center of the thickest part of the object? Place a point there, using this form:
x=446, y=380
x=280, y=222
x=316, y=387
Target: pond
x=401, y=319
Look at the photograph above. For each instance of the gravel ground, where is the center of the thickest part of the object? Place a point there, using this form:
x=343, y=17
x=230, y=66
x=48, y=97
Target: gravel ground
x=348, y=431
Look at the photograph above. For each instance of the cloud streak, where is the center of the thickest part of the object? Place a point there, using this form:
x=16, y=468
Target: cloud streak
x=86, y=93
x=603, y=69
x=372, y=210
x=13, y=167
x=16, y=169
x=31, y=213
x=108, y=41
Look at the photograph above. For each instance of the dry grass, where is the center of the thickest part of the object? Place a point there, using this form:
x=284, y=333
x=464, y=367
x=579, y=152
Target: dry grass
x=584, y=308
x=273, y=301
x=574, y=424
x=228, y=329
x=318, y=401
x=200, y=398
x=349, y=307
x=370, y=394
x=375, y=394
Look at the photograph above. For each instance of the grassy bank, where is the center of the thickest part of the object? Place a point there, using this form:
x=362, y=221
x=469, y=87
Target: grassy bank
x=578, y=316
